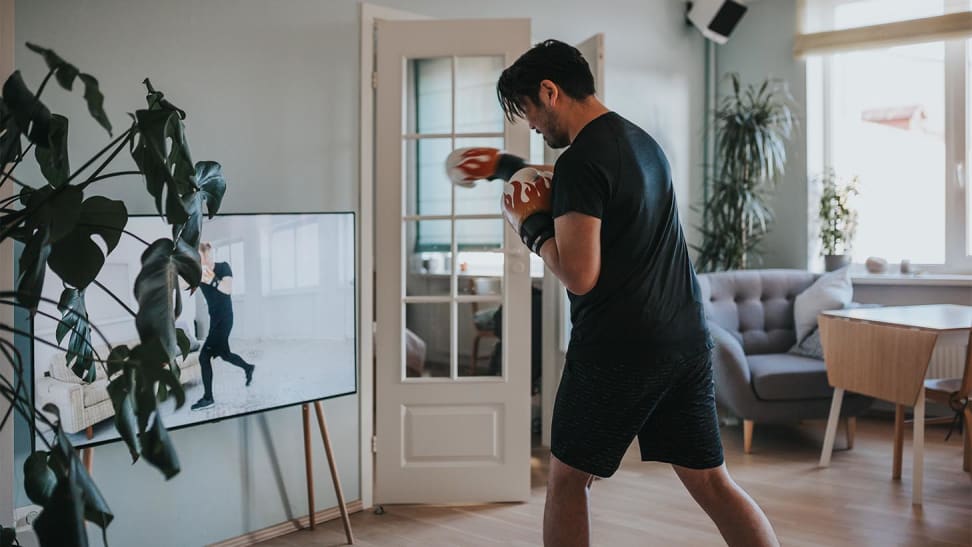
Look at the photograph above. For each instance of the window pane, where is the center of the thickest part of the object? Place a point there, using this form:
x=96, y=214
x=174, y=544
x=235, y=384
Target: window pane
x=308, y=259
x=486, y=196
x=479, y=351
x=887, y=126
x=428, y=190
x=238, y=265
x=428, y=270
x=427, y=340
x=477, y=108
x=428, y=107
x=282, y=264
x=479, y=235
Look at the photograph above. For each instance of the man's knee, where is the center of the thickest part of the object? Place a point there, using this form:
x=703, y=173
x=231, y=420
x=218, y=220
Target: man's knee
x=563, y=477
x=705, y=482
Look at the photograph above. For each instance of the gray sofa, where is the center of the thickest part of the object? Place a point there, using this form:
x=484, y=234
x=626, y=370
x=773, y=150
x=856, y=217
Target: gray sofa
x=750, y=316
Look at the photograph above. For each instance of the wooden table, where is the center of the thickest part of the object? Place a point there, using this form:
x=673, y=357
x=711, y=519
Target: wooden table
x=884, y=353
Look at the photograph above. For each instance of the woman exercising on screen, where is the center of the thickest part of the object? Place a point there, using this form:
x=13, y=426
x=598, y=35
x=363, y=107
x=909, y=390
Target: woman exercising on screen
x=217, y=286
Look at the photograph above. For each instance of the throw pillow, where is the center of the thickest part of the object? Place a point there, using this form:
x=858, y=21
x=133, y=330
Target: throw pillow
x=833, y=291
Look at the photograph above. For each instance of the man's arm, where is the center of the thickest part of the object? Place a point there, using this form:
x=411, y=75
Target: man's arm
x=225, y=285
x=574, y=253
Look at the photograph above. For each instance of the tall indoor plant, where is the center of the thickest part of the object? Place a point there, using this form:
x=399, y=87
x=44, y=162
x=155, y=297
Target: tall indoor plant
x=55, y=220
x=752, y=127
x=838, y=219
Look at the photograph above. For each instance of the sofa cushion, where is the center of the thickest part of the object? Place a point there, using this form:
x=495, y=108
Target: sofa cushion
x=832, y=291
x=755, y=305
x=93, y=394
x=781, y=377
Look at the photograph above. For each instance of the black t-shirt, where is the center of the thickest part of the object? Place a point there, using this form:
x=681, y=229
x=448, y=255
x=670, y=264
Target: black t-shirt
x=646, y=304
x=220, y=304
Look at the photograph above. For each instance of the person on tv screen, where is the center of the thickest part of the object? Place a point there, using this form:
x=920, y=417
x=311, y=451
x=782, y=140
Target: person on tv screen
x=217, y=286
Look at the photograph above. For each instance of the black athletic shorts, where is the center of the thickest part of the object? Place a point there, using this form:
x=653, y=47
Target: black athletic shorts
x=668, y=404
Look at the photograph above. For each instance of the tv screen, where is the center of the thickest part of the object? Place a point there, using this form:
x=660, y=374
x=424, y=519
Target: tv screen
x=273, y=325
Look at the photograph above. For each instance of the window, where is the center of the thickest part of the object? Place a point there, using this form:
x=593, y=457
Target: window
x=294, y=257
x=898, y=118
x=232, y=252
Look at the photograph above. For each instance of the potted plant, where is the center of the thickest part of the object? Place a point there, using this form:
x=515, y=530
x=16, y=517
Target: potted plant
x=752, y=128
x=56, y=219
x=838, y=219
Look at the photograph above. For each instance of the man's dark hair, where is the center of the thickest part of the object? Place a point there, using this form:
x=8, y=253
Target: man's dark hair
x=551, y=60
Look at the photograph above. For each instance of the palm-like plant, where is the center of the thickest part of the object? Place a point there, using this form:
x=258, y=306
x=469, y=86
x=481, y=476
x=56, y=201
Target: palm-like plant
x=752, y=126
x=56, y=222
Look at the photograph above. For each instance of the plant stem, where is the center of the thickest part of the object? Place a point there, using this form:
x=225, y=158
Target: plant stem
x=9, y=173
x=85, y=184
x=131, y=135
x=101, y=152
x=44, y=83
x=115, y=298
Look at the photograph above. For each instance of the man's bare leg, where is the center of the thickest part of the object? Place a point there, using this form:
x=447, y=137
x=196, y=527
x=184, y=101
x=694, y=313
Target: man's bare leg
x=566, y=515
x=740, y=521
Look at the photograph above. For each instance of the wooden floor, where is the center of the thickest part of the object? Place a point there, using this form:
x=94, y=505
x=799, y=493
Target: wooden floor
x=854, y=502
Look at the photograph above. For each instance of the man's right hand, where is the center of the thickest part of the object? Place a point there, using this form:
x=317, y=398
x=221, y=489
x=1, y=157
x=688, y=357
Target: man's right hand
x=466, y=166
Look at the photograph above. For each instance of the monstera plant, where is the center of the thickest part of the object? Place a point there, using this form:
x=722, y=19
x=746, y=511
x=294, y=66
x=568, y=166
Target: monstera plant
x=65, y=227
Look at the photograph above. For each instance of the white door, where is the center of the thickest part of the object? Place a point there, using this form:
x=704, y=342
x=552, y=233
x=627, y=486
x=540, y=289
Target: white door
x=556, y=307
x=450, y=427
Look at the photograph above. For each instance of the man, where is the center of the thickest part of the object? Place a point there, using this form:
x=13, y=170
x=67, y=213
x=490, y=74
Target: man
x=638, y=363
x=217, y=286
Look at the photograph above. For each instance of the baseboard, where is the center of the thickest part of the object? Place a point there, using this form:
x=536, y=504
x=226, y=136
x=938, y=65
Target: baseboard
x=287, y=527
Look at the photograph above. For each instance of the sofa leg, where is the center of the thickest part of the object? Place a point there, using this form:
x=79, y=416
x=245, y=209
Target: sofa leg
x=850, y=429
x=748, y=436
x=89, y=432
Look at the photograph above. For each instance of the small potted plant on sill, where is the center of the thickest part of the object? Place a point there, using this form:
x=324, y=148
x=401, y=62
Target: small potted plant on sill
x=838, y=219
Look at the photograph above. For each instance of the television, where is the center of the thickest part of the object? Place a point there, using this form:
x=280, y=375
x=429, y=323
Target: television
x=281, y=299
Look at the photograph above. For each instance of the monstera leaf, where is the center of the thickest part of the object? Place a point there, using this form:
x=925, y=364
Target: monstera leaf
x=212, y=186
x=33, y=264
x=76, y=258
x=157, y=290
x=39, y=479
x=53, y=156
x=74, y=499
x=65, y=73
x=30, y=116
x=158, y=450
x=166, y=172
x=74, y=320
x=9, y=135
x=122, y=393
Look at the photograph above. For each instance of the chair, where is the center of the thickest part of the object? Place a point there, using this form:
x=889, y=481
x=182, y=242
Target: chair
x=955, y=393
x=750, y=317
x=484, y=320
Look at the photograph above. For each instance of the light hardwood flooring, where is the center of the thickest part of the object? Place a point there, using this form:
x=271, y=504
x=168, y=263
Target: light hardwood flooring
x=853, y=503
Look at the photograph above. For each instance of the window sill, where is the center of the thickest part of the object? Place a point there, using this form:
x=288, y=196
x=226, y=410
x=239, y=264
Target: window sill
x=913, y=280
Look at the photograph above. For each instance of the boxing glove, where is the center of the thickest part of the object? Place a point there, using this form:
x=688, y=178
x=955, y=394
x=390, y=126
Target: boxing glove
x=465, y=166
x=527, y=206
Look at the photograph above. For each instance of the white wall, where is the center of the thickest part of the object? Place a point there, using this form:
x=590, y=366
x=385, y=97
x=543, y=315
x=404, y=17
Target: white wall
x=761, y=47
x=271, y=89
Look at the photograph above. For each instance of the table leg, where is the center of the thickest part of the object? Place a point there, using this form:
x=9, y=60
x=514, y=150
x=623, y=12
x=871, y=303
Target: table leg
x=919, y=448
x=832, y=420
x=898, y=442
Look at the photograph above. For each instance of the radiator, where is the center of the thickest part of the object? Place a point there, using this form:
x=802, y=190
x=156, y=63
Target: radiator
x=948, y=359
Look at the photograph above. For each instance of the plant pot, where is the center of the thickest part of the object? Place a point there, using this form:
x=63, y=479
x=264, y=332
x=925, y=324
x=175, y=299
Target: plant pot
x=836, y=262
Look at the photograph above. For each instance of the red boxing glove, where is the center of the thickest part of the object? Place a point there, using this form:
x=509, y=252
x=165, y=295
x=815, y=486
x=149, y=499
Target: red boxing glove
x=527, y=206
x=465, y=166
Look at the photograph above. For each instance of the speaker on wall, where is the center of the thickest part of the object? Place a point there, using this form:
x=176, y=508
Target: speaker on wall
x=716, y=19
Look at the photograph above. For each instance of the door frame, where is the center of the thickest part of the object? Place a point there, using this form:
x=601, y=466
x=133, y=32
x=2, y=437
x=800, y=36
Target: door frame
x=370, y=13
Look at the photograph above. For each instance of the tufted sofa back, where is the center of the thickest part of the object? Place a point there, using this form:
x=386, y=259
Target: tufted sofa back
x=756, y=306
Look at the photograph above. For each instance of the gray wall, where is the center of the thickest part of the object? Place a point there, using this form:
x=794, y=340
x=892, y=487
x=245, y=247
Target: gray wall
x=761, y=47
x=272, y=91
x=270, y=88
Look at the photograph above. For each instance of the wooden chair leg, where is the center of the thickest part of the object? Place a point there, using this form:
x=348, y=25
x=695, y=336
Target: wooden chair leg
x=850, y=429
x=748, y=436
x=967, y=431
x=898, y=441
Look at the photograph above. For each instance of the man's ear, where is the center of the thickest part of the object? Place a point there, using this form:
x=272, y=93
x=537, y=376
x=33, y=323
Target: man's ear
x=549, y=92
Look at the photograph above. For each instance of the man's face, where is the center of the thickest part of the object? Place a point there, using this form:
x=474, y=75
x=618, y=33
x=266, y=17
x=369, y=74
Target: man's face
x=545, y=121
